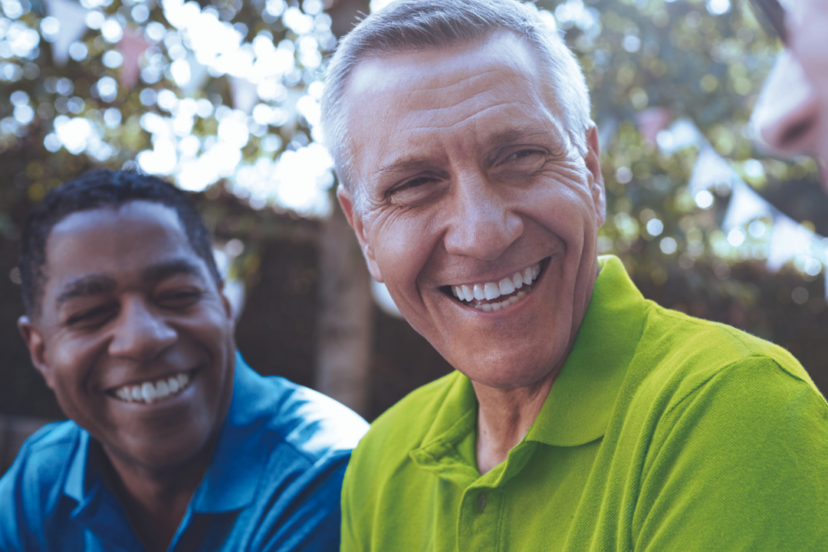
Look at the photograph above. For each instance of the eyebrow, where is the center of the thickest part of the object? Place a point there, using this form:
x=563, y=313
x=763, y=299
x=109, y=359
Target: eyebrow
x=96, y=284
x=161, y=271
x=93, y=284
x=505, y=137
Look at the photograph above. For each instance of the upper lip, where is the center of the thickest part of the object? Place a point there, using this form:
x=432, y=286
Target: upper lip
x=498, y=275
x=148, y=377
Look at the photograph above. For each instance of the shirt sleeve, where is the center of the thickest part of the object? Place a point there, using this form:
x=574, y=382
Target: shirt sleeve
x=313, y=525
x=739, y=464
x=15, y=535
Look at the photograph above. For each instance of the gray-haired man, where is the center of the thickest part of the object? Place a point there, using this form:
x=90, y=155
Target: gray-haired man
x=581, y=416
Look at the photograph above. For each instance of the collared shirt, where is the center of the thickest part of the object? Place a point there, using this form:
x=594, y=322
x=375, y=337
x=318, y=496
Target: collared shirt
x=661, y=432
x=273, y=482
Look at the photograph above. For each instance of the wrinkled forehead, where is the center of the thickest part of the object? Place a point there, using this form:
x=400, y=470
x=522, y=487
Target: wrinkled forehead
x=415, y=92
x=448, y=68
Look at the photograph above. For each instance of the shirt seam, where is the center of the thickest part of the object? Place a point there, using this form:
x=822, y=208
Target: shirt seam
x=730, y=366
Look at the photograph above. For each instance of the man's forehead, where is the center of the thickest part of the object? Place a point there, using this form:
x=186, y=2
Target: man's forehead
x=149, y=210
x=408, y=96
x=122, y=241
x=459, y=65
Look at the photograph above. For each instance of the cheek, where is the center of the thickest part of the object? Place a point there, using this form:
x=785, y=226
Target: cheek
x=68, y=357
x=402, y=244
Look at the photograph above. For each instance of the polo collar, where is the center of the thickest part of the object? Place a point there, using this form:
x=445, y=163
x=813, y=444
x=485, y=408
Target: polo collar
x=232, y=476
x=580, y=403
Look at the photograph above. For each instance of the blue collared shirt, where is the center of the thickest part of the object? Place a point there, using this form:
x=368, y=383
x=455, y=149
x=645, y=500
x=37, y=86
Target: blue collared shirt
x=273, y=483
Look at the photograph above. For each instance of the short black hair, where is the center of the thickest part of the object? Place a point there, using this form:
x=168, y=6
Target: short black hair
x=94, y=190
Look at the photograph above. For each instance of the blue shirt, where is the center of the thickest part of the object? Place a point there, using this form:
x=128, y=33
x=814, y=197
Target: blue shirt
x=273, y=483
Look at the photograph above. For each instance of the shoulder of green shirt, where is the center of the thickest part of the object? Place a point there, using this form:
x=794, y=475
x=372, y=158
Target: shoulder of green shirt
x=688, y=353
x=692, y=351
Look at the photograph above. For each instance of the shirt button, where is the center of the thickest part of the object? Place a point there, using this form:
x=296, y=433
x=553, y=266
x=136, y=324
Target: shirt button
x=481, y=503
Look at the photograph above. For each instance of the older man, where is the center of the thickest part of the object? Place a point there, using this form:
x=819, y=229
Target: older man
x=581, y=416
x=173, y=442
x=791, y=117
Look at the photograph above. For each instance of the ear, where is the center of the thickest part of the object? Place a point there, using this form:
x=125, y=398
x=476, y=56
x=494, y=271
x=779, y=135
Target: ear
x=225, y=302
x=596, y=179
x=355, y=220
x=37, y=348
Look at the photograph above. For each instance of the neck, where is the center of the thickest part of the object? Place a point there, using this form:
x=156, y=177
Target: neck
x=504, y=417
x=156, y=500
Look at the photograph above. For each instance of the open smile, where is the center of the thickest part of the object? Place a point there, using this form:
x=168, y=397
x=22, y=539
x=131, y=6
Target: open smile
x=153, y=391
x=494, y=296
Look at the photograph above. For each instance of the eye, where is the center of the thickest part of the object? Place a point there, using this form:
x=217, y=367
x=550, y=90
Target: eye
x=414, y=191
x=416, y=183
x=179, y=298
x=91, y=317
x=525, y=155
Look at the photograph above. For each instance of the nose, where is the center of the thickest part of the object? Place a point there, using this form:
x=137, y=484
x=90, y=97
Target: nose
x=786, y=117
x=140, y=334
x=483, y=223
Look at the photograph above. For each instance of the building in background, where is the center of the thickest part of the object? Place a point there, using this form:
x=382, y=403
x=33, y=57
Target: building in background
x=221, y=96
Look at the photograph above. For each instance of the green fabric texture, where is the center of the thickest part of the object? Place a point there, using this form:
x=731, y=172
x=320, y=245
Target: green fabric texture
x=662, y=432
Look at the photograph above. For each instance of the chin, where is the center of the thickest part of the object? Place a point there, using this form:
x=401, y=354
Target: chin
x=505, y=370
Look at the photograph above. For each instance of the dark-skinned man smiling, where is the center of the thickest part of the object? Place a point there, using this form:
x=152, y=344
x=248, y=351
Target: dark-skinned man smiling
x=581, y=417
x=173, y=442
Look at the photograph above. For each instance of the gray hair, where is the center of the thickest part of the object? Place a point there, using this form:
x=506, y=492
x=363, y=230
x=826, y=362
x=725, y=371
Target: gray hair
x=408, y=25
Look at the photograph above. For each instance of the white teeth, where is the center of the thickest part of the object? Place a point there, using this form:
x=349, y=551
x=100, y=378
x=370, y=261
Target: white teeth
x=489, y=290
x=478, y=292
x=506, y=286
x=149, y=392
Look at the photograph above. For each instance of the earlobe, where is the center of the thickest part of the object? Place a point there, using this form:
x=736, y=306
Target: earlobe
x=355, y=221
x=37, y=348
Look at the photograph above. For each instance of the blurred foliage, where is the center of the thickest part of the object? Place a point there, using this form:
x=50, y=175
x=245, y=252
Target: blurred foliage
x=703, y=61
x=644, y=59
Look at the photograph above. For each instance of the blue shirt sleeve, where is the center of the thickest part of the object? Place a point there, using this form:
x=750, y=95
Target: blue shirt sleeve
x=314, y=523
x=15, y=531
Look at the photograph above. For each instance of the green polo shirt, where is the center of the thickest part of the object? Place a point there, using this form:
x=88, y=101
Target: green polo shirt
x=662, y=432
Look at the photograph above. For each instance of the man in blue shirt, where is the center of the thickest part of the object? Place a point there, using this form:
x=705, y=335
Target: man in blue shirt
x=174, y=442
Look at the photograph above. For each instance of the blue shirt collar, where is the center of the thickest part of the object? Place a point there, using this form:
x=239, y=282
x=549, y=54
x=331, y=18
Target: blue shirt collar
x=232, y=477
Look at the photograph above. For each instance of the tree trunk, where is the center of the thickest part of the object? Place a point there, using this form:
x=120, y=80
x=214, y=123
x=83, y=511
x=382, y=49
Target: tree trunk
x=344, y=341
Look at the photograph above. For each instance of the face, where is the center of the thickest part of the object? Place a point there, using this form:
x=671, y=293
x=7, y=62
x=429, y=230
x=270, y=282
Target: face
x=133, y=334
x=472, y=188
x=791, y=117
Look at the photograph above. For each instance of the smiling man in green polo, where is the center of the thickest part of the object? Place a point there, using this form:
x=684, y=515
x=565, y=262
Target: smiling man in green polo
x=581, y=417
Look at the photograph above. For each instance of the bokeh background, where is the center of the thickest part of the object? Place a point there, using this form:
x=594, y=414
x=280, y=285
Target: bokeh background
x=222, y=98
